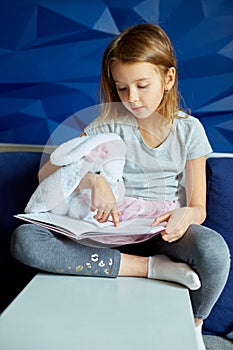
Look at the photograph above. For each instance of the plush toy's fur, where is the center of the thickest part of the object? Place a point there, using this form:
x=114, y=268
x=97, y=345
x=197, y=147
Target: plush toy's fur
x=103, y=154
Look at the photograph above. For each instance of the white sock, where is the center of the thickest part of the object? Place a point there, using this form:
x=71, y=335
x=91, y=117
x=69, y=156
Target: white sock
x=200, y=342
x=160, y=267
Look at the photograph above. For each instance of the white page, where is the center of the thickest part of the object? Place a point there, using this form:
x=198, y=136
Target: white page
x=70, y=226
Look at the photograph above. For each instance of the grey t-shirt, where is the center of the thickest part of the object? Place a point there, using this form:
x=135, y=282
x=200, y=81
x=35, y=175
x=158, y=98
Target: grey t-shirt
x=156, y=173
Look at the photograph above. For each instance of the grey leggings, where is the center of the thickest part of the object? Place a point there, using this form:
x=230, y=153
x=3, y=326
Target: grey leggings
x=201, y=248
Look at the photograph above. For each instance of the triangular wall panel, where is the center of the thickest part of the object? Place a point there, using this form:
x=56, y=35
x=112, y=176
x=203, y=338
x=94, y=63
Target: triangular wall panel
x=50, y=60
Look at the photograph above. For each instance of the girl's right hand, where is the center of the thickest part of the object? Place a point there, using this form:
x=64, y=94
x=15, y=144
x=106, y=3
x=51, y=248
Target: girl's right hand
x=104, y=201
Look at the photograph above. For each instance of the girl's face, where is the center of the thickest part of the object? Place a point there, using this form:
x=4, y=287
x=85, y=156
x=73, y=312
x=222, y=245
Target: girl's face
x=140, y=86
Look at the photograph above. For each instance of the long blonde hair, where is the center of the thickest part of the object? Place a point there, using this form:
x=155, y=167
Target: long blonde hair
x=140, y=43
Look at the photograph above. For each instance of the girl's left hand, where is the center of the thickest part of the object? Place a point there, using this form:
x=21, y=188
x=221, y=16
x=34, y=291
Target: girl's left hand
x=178, y=222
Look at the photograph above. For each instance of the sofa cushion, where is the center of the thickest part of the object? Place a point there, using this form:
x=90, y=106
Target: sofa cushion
x=219, y=218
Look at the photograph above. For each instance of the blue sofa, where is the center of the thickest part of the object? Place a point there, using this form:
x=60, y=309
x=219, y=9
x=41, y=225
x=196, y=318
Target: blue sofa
x=19, y=179
x=219, y=217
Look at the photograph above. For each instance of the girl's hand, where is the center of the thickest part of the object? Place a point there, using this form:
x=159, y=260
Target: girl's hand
x=178, y=222
x=103, y=200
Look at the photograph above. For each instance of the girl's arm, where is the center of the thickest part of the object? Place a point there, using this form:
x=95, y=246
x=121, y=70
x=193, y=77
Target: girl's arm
x=179, y=219
x=196, y=188
x=46, y=170
x=102, y=197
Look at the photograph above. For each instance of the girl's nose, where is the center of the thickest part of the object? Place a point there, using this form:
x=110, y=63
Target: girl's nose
x=133, y=95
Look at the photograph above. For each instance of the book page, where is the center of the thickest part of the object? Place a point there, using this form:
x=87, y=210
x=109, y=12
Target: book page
x=58, y=223
x=83, y=229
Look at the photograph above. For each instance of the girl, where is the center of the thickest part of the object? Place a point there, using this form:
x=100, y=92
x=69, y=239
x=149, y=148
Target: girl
x=140, y=103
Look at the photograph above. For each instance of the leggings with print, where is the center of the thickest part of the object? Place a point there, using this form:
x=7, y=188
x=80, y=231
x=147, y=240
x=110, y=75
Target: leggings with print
x=201, y=248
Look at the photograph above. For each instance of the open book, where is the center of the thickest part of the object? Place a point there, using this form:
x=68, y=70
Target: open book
x=89, y=229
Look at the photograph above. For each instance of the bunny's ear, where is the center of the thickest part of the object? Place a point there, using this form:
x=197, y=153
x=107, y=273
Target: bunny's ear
x=99, y=152
x=78, y=148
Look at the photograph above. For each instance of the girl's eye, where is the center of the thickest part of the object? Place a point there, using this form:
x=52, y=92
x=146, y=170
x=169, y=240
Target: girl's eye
x=121, y=89
x=143, y=86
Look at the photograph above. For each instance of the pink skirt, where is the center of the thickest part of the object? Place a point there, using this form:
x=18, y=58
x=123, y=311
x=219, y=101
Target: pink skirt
x=132, y=208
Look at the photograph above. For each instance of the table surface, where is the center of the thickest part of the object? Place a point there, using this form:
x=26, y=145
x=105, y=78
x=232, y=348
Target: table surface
x=69, y=312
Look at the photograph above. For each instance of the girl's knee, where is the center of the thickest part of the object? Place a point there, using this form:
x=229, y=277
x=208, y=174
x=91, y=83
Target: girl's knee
x=22, y=242
x=18, y=241
x=210, y=246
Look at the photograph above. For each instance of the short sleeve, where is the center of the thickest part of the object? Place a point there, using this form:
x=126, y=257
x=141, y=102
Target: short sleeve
x=97, y=128
x=197, y=142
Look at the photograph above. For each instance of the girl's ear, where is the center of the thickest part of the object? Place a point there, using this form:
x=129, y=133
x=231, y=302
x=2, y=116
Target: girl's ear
x=170, y=79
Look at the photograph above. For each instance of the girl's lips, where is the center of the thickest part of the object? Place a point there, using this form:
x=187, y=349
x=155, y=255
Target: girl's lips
x=137, y=109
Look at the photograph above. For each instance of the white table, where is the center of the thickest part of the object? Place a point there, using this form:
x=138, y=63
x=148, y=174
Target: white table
x=56, y=312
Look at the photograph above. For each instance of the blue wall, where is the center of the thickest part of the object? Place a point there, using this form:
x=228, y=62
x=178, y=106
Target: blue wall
x=50, y=55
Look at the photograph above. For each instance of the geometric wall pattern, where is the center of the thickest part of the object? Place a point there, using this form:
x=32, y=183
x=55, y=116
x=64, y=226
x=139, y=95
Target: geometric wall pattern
x=50, y=56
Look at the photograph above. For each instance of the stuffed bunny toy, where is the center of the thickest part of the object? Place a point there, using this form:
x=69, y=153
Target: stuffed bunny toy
x=103, y=154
